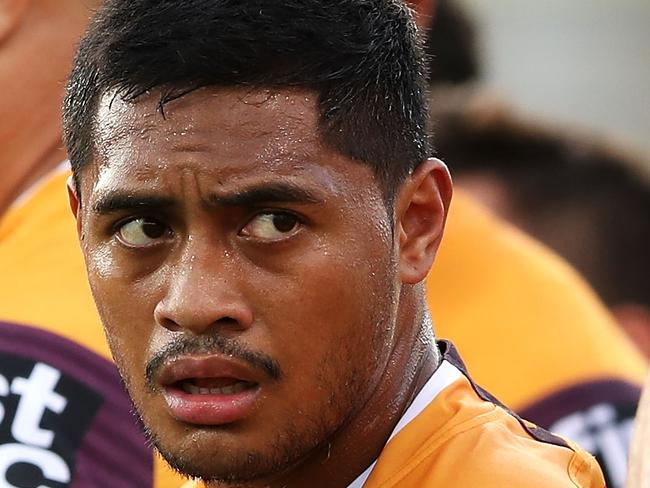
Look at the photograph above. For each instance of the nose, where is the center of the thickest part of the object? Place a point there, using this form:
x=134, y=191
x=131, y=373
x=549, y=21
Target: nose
x=202, y=294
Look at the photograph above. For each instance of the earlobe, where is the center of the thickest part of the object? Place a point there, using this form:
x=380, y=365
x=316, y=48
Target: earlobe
x=421, y=212
x=12, y=13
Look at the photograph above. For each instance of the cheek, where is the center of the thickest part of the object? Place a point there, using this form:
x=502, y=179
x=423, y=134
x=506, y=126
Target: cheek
x=99, y=263
x=336, y=312
x=339, y=343
x=124, y=307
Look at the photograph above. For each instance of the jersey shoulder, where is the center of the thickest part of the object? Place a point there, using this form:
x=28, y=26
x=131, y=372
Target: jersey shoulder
x=466, y=438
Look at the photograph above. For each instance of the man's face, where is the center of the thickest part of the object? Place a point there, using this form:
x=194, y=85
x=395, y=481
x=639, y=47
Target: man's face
x=245, y=274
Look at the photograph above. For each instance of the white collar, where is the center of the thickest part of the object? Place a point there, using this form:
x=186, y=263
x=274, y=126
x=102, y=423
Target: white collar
x=445, y=375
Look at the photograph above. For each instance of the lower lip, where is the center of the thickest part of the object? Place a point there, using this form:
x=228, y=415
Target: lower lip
x=210, y=409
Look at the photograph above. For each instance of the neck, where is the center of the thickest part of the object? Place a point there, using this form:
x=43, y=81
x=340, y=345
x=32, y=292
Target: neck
x=357, y=444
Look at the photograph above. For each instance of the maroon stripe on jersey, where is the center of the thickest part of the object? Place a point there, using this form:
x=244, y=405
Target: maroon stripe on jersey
x=597, y=415
x=580, y=397
x=450, y=354
x=112, y=450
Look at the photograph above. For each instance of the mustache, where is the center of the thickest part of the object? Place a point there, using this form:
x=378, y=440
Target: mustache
x=212, y=344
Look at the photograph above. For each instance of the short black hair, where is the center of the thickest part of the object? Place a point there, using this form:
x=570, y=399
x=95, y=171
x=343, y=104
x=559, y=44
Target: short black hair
x=584, y=198
x=362, y=57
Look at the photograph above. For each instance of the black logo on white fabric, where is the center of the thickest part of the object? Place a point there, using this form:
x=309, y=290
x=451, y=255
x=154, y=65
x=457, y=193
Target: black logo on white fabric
x=37, y=404
x=605, y=430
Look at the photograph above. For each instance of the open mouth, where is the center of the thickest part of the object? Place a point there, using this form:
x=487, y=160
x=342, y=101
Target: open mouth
x=214, y=386
x=210, y=390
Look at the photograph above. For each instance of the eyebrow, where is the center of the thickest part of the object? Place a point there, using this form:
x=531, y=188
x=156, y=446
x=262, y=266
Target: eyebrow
x=271, y=193
x=118, y=201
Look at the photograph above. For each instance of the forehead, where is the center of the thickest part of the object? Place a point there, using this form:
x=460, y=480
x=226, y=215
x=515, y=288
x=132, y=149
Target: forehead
x=221, y=141
x=209, y=119
x=229, y=132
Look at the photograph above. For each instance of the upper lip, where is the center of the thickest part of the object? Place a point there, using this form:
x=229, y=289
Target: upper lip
x=206, y=366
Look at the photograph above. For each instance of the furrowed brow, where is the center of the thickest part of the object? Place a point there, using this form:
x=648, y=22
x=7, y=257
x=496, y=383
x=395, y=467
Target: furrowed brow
x=271, y=193
x=118, y=201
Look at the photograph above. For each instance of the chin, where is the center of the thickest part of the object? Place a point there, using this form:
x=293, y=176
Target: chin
x=210, y=456
x=227, y=467
x=213, y=467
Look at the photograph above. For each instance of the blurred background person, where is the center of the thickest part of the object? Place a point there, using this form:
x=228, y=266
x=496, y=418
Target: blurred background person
x=64, y=417
x=576, y=372
x=585, y=199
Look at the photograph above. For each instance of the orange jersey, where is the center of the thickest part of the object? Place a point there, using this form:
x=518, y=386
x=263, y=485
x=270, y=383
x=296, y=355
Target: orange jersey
x=63, y=413
x=463, y=439
x=534, y=334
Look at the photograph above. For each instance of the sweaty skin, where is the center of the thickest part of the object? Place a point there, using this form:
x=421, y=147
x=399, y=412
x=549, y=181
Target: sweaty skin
x=228, y=247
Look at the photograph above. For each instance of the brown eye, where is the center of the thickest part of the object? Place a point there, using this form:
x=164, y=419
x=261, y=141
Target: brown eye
x=142, y=232
x=284, y=222
x=271, y=226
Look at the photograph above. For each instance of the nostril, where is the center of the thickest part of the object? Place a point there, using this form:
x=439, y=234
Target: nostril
x=169, y=324
x=227, y=324
x=227, y=320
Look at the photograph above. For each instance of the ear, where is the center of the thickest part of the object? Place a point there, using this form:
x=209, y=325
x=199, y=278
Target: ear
x=421, y=211
x=423, y=11
x=74, y=201
x=12, y=13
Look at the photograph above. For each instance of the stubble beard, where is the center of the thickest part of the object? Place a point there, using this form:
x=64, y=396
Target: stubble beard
x=291, y=446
